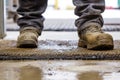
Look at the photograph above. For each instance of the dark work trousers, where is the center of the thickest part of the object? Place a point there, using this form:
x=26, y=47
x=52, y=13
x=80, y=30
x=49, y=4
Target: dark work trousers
x=89, y=11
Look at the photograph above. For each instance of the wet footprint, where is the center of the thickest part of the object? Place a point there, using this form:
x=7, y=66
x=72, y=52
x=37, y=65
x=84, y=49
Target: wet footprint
x=30, y=73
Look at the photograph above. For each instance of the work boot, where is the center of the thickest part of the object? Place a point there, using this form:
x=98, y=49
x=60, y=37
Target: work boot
x=28, y=38
x=93, y=38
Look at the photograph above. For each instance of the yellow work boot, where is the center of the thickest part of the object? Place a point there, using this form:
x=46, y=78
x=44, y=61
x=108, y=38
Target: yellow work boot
x=93, y=38
x=28, y=38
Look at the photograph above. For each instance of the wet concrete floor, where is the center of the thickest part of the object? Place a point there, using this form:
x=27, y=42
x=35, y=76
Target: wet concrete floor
x=60, y=70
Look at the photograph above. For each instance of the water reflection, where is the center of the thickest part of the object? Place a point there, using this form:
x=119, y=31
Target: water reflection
x=30, y=73
x=60, y=70
x=90, y=76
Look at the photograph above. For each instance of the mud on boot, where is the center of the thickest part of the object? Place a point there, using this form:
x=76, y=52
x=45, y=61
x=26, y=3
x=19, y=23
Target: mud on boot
x=93, y=38
x=28, y=38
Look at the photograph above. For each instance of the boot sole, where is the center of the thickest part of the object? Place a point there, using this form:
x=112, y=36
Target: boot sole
x=100, y=47
x=104, y=44
x=27, y=44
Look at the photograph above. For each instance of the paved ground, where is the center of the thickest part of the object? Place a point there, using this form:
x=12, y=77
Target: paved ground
x=60, y=70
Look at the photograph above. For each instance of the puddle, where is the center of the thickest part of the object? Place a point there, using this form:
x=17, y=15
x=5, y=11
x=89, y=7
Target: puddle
x=60, y=70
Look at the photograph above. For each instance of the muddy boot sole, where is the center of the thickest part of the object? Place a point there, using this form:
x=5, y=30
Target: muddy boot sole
x=27, y=44
x=104, y=44
x=100, y=46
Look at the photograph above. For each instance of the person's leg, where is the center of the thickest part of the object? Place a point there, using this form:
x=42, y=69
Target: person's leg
x=31, y=22
x=89, y=24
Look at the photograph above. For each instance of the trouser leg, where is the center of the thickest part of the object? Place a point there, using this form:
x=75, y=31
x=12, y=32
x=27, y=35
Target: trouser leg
x=31, y=11
x=89, y=11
